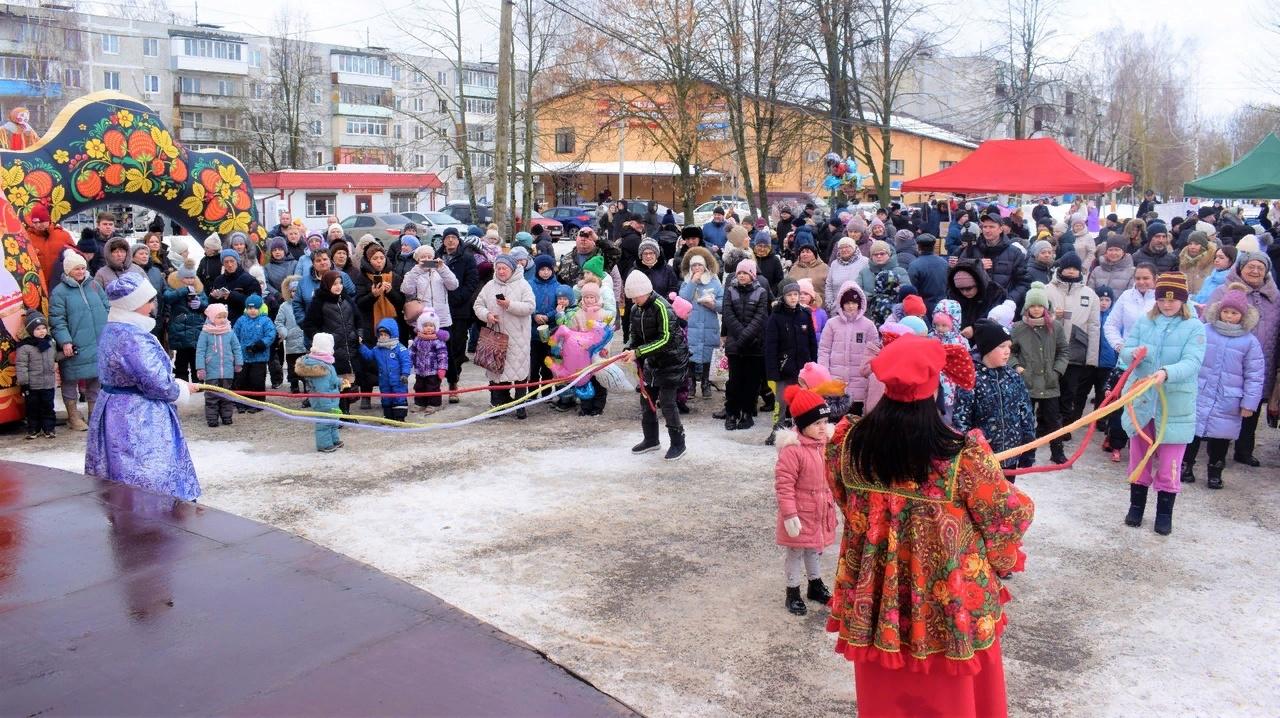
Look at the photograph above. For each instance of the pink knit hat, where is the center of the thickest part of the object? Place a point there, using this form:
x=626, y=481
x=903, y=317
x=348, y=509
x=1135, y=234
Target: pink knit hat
x=806, y=285
x=1234, y=298
x=748, y=266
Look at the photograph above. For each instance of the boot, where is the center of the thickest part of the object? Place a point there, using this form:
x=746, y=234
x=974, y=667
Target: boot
x=818, y=591
x=773, y=436
x=650, y=443
x=795, y=604
x=746, y=421
x=1057, y=455
x=453, y=398
x=706, y=381
x=366, y=403
x=1249, y=460
x=1215, y=474
x=676, y=450
x=1164, y=512
x=1137, y=505
x=767, y=403
x=731, y=423
x=75, y=422
x=722, y=414
x=1188, y=475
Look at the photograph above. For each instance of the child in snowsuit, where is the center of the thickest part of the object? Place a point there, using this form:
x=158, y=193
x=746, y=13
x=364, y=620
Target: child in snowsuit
x=36, y=377
x=317, y=369
x=429, y=354
x=590, y=313
x=1040, y=356
x=287, y=326
x=998, y=404
x=1230, y=383
x=789, y=344
x=218, y=359
x=256, y=333
x=946, y=327
x=394, y=367
x=806, y=509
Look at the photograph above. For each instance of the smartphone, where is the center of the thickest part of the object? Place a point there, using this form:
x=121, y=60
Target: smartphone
x=500, y=296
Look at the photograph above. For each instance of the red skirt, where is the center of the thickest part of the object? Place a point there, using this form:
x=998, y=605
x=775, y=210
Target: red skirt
x=887, y=693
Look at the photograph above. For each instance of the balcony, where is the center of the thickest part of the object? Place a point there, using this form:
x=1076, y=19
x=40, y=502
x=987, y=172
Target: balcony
x=350, y=110
x=483, y=91
x=200, y=99
x=206, y=134
x=189, y=63
x=362, y=80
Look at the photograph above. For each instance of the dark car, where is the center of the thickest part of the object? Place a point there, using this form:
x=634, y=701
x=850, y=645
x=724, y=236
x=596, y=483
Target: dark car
x=461, y=211
x=573, y=218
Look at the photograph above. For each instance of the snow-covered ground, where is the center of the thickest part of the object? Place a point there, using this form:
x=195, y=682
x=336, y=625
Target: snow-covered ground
x=660, y=581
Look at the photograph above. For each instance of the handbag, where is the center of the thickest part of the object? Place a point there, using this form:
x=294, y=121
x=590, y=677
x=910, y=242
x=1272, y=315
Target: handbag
x=412, y=308
x=719, y=365
x=491, y=349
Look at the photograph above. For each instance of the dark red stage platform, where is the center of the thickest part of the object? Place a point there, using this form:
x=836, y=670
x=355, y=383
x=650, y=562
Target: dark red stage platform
x=119, y=602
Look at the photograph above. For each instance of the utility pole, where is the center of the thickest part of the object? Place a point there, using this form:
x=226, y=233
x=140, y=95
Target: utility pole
x=502, y=133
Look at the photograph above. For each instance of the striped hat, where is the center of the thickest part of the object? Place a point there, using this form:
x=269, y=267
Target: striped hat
x=1172, y=285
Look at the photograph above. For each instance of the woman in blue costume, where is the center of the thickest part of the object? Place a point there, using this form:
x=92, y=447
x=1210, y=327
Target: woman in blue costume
x=134, y=434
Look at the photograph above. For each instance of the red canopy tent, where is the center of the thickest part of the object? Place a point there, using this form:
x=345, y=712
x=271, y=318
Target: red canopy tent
x=1038, y=166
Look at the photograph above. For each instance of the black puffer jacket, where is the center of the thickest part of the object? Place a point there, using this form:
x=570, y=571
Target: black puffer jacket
x=463, y=265
x=790, y=342
x=335, y=315
x=661, y=351
x=746, y=309
x=989, y=294
x=662, y=277
x=1008, y=266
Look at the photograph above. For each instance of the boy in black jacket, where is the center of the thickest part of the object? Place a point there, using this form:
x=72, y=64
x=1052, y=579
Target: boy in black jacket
x=790, y=342
x=662, y=359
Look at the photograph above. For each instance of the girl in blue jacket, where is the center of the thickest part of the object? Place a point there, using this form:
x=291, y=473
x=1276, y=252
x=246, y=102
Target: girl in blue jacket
x=394, y=367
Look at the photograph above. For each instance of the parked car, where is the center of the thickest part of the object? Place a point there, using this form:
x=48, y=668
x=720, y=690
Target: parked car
x=641, y=206
x=703, y=212
x=431, y=225
x=461, y=211
x=551, y=227
x=573, y=218
x=386, y=227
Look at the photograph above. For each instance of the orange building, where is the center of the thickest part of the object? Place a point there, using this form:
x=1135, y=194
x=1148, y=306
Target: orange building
x=594, y=137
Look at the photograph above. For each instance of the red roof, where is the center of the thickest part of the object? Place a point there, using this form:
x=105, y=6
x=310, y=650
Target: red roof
x=345, y=180
x=1038, y=166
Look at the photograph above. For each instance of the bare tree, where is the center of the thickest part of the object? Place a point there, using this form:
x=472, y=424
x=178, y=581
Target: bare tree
x=536, y=41
x=277, y=99
x=1023, y=69
x=148, y=11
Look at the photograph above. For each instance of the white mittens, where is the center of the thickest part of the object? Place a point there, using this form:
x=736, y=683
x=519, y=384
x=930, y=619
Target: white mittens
x=792, y=526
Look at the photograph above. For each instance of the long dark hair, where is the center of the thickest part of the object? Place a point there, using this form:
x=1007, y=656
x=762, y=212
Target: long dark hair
x=899, y=441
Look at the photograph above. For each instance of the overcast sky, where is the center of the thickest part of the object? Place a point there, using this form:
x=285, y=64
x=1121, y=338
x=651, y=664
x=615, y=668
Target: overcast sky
x=1228, y=44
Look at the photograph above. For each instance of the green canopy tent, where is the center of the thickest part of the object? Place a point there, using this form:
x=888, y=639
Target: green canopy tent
x=1254, y=176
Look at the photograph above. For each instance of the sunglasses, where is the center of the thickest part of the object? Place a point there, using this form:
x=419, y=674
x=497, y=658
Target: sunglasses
x=586, y=233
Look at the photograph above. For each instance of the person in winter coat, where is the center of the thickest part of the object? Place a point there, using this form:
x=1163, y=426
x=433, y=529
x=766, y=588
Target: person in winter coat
x=806, y=523
x=928, y=271
x=809, y=266
x=715, y=234
x=846, y=266
x=77, y=313
x=1075, y=307
x=545, y=289
x=737, y=249
x=969, y=286
x=745, y=311
x=955, y=238
x=1040, y=358
x=768, y=265
x=1114, y=268
x=36, y=377
x=458, y=258
x=185, y=302
x=1098, y=378
x=1253, y=270
x=1040, y=262
x=430, y=282
x=1081, y=240
x=1230, y=383
x=702, y=289
x=1196, y=260
x=999, y=403
x=882, y=260
x=506, y=305
x=219, y=358
x=849, y=342
x=1156, y=251
x=1005, y=264
x=882, y=297
x=1130, y=306
x=280, y=264
x=256, y=333
x=904, y=248
x=1175, y=347
x=660, y=274
x=332, y=312
x=657, y=346
x=790, y=342
x=809, y=300
x=429, y=355
x=946, y=329
x=233, y=286
x=393, y=365
x=317, y=369
x=289, y=329
x=116, y=263
x=1224, y=260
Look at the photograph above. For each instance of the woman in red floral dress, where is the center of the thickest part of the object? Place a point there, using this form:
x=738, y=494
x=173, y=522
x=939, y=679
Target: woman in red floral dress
x=930, y=529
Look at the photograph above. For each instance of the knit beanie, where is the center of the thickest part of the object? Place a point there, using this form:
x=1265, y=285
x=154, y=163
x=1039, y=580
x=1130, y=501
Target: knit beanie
x=1207, y=228
x=913, y=306
x=1036, y=296
x=277, y=243
x=1248, y=243
x=519, y=254
x=213, y=311
x=762, y=238
x=638, y=285
x=805, y=406
x=650, y=245
x=904, y=291
x=524, y=239
x=1199, y=238
x=411, y=242
x=327, y=279
x=339, y=245
x=858, y=224
x=789, y=285
x=71, y=260
x=253, y=302
x=1070, y=260
x=880, y=246
x=213, y=243
x=1243, y=258
x=1116, y=240
x=748, y=266
x=505, y=259
x=449, y=232
x=1172, y=285
x=1235, y=298
x=805, y=286
x=544, y=261
x=35, y=319
x=595, y=266
x=987, y=335
x=846, y=242
x=1156, y=228
x=322, y=343
x=1105, y=290
x=903, y=235
x=226, y=254
x=428, y=316
x=916, y=325
x=1038, y=247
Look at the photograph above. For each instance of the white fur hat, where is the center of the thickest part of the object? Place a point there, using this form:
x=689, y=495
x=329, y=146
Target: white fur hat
x=638, y=285
x=322, y=343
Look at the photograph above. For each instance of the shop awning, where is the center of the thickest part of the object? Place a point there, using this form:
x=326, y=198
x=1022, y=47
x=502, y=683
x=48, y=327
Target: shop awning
x=1037, y=166
x=1254, y=176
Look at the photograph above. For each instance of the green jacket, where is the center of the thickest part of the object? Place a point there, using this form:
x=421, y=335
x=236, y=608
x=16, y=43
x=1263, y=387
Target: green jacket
x=1041, y=352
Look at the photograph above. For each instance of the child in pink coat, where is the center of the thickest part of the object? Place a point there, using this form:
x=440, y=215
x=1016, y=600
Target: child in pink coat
x=848, y=344
x=806, y=509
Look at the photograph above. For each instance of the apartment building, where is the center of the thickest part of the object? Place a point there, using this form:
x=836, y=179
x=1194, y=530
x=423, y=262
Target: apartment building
x=221, y=90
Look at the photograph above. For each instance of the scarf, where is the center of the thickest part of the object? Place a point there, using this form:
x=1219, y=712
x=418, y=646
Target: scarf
x=41, y=344
x=1034, y=321
x=387, y=343
x=321, y=356
x=1228, y=330
x=1069, y=280
x=382, y=307
x=217, y=328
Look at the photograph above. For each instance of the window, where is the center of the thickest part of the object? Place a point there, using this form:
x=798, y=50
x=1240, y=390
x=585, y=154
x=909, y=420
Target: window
x=257, y=90
x=72, y=40
x=419, y=132
x=773, y=165
x=321, y=205
x=395, y=72
x=150, y=47
x=480, y=78
x=419, y=105
x=319, y=158
x=363, y=96
x=191, y=119
x=444, y=160
x=418, y=76
x=111, y=45
x=418, y=161
x=255, y=58
x=366, y=126
x=896, y=167
x=20, y=68
x=404, y=202
x=482, y=160
x=110, y=80
x=399, y=103
x=71, y=77
x=945, y=164
x=397, y=131
x=1069, y=104
x=364, y=65
x=564, y=141
x=444, y=105
x=226, y=88
x=217, y=49
x=482, y=107
x=151, y=83
x=189, y=85
x=315, y=96
x=316, y=127
x=442, y=78
x=228, y=122
x=479, y=134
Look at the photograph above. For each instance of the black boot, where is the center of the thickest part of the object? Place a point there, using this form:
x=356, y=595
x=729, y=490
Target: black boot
x=1164, y=512
x=705, y=378
x=722, y=414
x=1188, y=475
x=795, y=604
x=676, y=450
x=1249, y=460
x=1137, y=505
x=731, y=423
x=818, y=591
x=746, y=421
x=1215, y=474
x=650, y=427
x=768, y=402
x=366, y=403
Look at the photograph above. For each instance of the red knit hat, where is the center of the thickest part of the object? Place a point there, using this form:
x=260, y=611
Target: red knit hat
x=806, y=407
x=38, y=213
x=910, y=367
x=913, y=306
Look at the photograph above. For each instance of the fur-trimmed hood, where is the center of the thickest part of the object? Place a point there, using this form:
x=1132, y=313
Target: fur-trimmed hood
x=713, y=265
x=790, y=437
x=175, y=282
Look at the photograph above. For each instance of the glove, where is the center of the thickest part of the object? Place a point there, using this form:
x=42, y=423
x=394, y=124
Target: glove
x=194, y=301
x=440, y=373
x=24, y=390
x=792, y=526
x=258, y=346
x=404, y=378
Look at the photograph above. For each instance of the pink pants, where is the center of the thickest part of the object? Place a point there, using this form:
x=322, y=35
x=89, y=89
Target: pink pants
x=1165, y=468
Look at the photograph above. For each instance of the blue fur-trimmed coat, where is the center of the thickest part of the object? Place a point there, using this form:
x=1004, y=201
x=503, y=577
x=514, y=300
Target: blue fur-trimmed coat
x=1000, y=406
